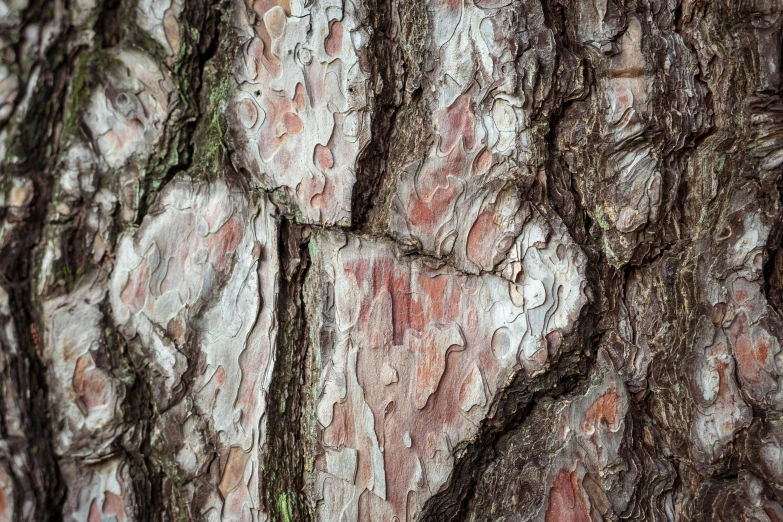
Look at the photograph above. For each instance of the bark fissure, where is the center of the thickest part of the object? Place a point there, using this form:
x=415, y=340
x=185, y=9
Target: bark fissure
x=512, y=410
x=385, y=61
x=287, y=451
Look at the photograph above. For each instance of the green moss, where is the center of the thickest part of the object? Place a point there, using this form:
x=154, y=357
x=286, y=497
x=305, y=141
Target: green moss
x=140, y=39
x=600, y=218
x=542, y=127
x=5, y=181
x=214, y=138
x=71, y=276
x=284, y=507
x=87, y=70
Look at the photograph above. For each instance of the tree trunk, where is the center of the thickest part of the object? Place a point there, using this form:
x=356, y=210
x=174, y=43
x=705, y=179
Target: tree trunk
x=391, y=260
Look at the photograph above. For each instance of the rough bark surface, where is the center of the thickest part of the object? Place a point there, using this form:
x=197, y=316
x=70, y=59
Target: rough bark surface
x=391, y=260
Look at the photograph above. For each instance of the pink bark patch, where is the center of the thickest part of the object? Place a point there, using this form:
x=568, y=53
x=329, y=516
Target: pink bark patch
x=753, y=356
x=234, y=470
x=258, y=51
x=326, y=197
x=430, y=361
x=300, y=102
x=247, y=113
x=113, y=506
x=431, y=212
x=223, y=242
x=334, y=42
x=261, y=7
x=252, y=362
x=482, y=162
x=275, y=129
x=341, y=429
x=134, y=295
x=773, y=514
x=292, y=123
x=454, y=124
x=605, y=411
x=95, y=513
x=323, y=157
x=90, y=384
x=566, y=501
x=4, y=506
x=482, y=240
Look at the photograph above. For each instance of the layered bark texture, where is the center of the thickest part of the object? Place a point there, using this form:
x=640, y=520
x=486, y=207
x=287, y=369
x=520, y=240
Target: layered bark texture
x=391, y=260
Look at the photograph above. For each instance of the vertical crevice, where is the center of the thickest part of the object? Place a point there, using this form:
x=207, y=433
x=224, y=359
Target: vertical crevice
x=284, y=455
x=39, y=488
x=39, y=479
x=384, y=62
x=195, y=76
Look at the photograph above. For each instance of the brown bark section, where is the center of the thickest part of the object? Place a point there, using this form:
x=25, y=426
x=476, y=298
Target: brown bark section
x=391, y=260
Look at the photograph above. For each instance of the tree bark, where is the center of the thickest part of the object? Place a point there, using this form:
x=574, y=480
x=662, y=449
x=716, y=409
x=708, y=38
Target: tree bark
x=391, y=260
